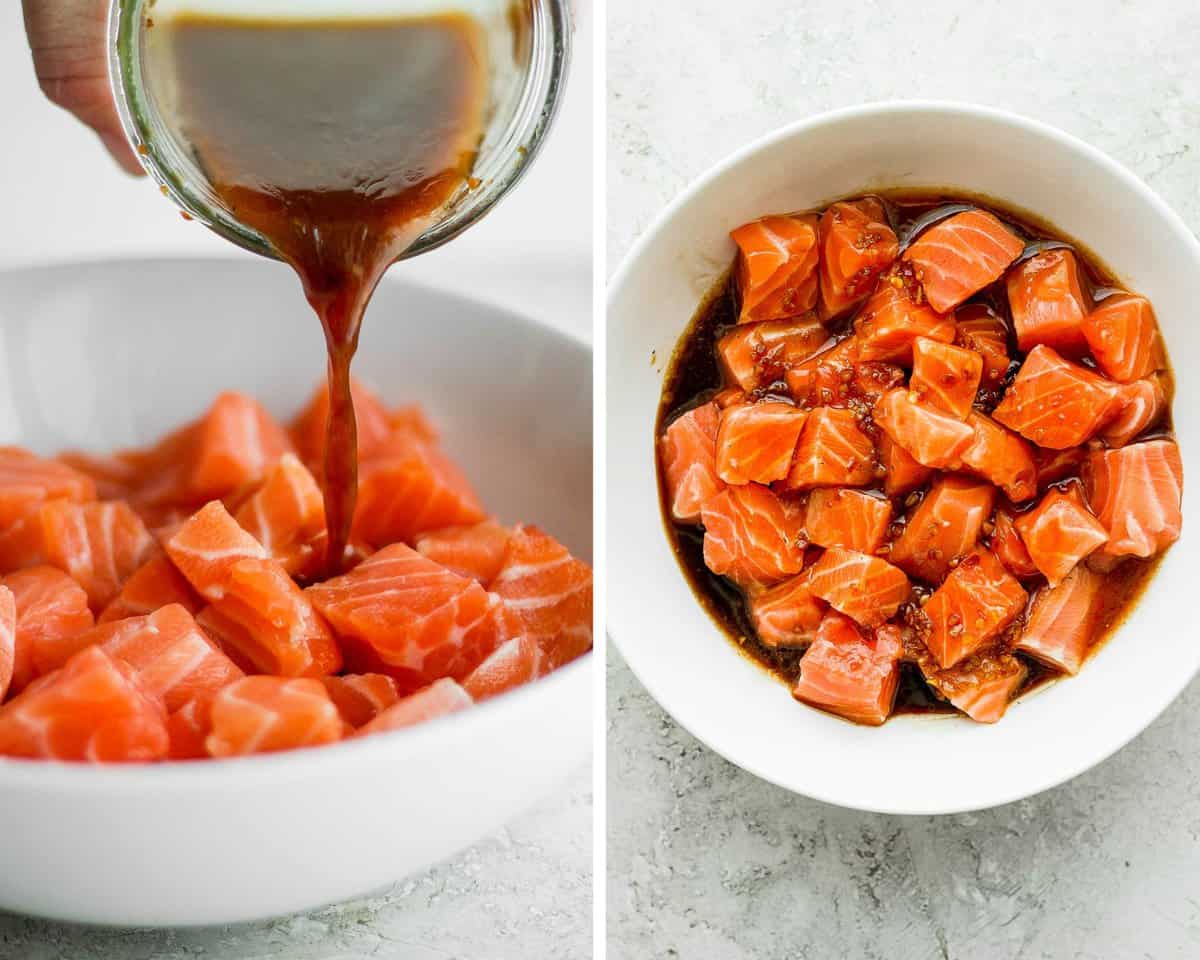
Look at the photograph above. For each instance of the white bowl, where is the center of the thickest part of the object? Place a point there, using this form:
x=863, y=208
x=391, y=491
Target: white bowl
x=913, y=764
x=114, y=353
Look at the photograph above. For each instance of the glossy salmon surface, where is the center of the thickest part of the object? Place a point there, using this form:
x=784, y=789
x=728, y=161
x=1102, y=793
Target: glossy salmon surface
x=865, y=588
x=960, y=256
x=857, y=245
x=848, y=673
x=1048, y=302
x=777, y=267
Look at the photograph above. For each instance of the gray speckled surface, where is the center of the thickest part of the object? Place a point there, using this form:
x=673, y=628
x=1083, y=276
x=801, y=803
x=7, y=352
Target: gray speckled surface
x=706, y=860
x=524, y=892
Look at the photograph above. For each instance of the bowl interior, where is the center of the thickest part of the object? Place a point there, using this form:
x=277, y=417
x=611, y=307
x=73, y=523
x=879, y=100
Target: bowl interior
x=912, y=764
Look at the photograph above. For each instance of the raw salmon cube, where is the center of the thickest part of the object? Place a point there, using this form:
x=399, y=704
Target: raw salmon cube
x=688, y=453
x=824, y=380
x=846, y=673
x=753, y=536
x=786, y=615
x=400, y=613
x=865, y=588
x=730, y=396
x=92, y=710
x=511, y=664
x=372, y=421
x=1062, y=621
x=777, y=267
x=188, y=728
x=894, y=316
x=1142, y=404
x=902, y=472
x=981, y=685
x=21, y=540
x=1124, y=339
x=957, y=257
x=1136, y=493
x=833, y=451
x=8, y=639
x=50, y=607
x=475, y=551
x=945, y=376
x=1056, y=403
x=361, y=697
x=999, y=455
x=267, y=714
x=1059, y=532
x=234, y=444
x=978, y=600
x=409, y=486
x=26, y=477
x=173, y=658
x=840, y=517
x=116, y=476
x=759, y=354
x=412, y=418
x=550, y=592
x=286, y=514
x=857, y=245
x=99, y=544
x=1048, y=302
x=1006, y=543
x=979, y=329
x=932, y=438
x=756, y=441
x=156, y=583
x=280, y=632
x=437, y=700
x=944, y=528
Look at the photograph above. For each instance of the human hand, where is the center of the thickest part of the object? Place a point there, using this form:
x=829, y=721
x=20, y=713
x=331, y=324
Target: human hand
x=69, y=41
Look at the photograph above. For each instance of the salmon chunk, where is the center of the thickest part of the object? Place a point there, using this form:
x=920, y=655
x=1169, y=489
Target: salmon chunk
x=753, y=536
x=787, y=615
x=902, y=472
x=156, y=583
x=1136, y=493
x=980, y=330
x=757, y=355
x=100, y=544
x=945, y=376
x=999, y=455
x=408, y=486
x=838, y=378
x=286, y=514
x=476, y=551
x=857, y=245
x=26, y=482
x=361, y=697
x=932, y=438
x=1009, y=548
x=756, y=441
x=978, y=600
x=957, y=257
x=893, y=317
x=268, y=714
x=981, y=685
x=1048, y=302
x=1141, y=405
x=777, y=267
x=849, y=674
x=944, y=528
x=1124, y=339
x=92, y=710
x=270, y=625
x=1059, y=532
x=865, y=588
x=400, y=613
x=51, y=607
x=549, y=591
x=1056, y=403
x=841, y=517
x=1063, y=620
x=232, y=445
x=437, y=700
x=833, y=451
x=688, y=452
x=513, y=663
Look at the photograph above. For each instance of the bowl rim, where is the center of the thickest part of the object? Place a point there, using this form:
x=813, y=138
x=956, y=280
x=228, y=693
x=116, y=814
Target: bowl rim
x=306, y=762
x=880, y=110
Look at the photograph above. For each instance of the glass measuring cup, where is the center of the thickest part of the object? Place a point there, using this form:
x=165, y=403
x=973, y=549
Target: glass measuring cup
x=528, y=48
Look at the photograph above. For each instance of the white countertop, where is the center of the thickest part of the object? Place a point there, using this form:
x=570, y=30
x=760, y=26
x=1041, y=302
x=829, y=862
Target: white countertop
x=525, y=891
x=708, y=861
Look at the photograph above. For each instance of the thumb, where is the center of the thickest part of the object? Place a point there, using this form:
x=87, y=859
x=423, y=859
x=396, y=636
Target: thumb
x=69, y=41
